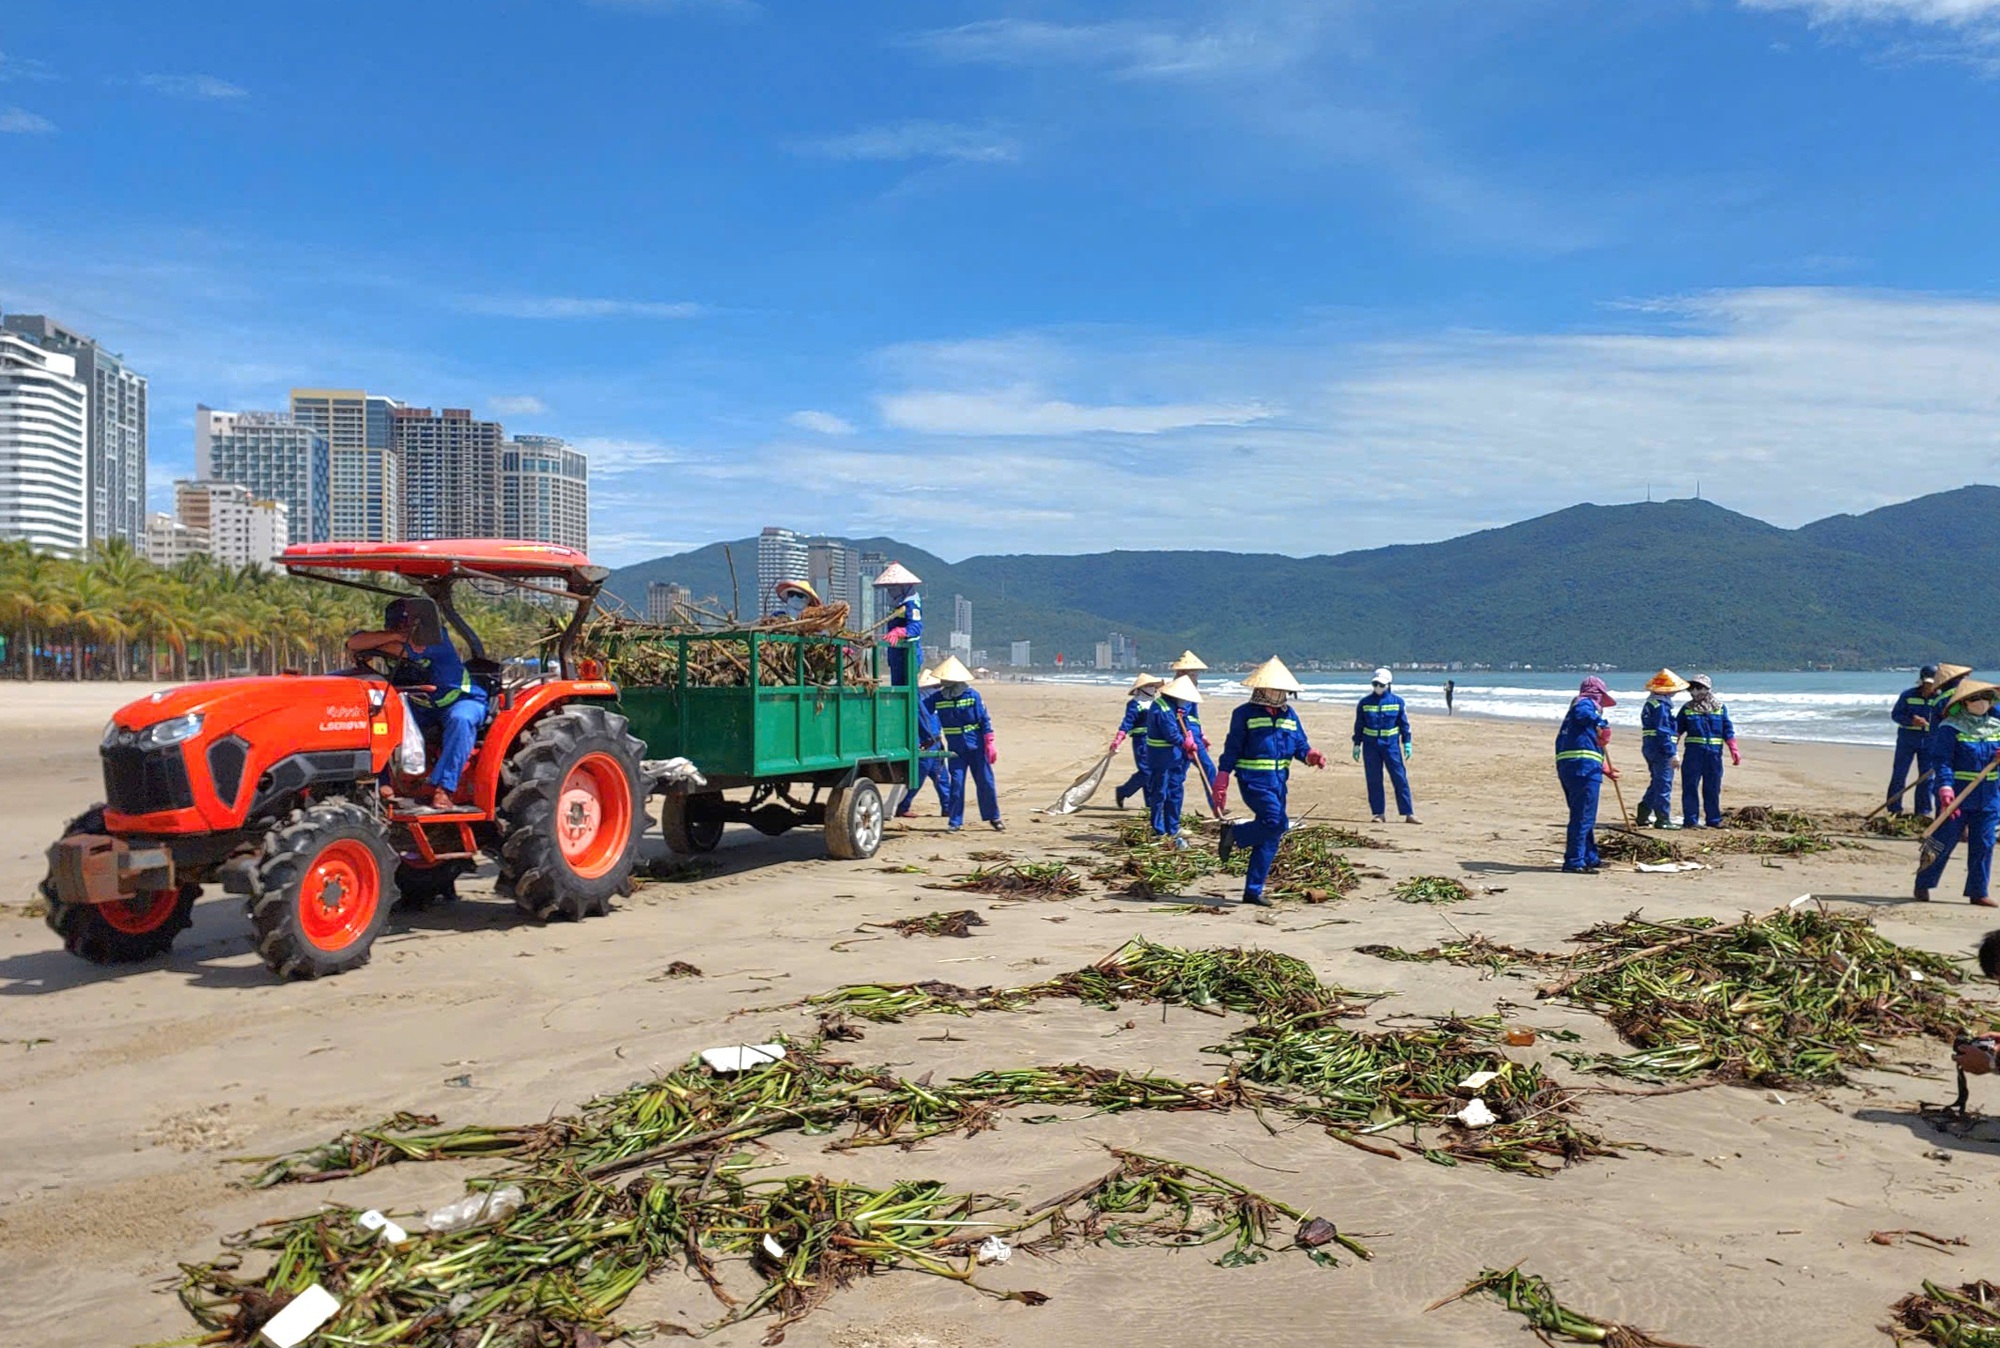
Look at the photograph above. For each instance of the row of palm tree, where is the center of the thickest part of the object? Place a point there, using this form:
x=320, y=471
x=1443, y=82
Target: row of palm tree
x=114, y=615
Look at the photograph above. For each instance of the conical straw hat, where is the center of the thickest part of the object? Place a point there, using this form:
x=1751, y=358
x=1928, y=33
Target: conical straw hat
x=1969, y=689
x=1182, y=690
x=1146, y=681
x=1189, y=662
x=1666, y=681
x=897, y=574
x=1946, y=673
x=1273, y=674
x=953, y=670
x=928, y=679
x=785, y=587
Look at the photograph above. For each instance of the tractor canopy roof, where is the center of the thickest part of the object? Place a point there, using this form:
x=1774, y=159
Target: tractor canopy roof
x=443, y=558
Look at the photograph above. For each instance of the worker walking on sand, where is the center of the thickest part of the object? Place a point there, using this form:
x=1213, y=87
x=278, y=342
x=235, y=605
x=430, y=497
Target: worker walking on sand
x=930, y=738
x=1171, y=744
x=1581, y=768
x=1913, y=711
x=968, y=733
x=1382, y=744
x=1190, y=667
x=898, y=592
x=1971, y=734
x=1705, y=730
x=1264, y=740
x=1659, y=743
x=1139, y=700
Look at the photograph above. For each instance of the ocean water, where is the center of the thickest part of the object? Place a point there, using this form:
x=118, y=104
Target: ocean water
x=1844, y=708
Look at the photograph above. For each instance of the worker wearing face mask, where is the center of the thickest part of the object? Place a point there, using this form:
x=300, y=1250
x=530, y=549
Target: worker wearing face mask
x=1969, y=802
x=791, y=598
x=1657, y=742
x=1139, y=701
x=1191, y=667
x=1170, y=746
x=968, y=733
x=897, y=588
x=1264, y=740
x=1705, y=730
x=1382, y=745
x=930, y=739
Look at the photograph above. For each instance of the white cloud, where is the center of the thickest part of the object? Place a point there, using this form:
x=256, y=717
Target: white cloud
x=24, y=68
x=1024, y=411
x=1958, y=13
x=193, y=86
x=21, y=122
x=1132, y=50
x=919, y=140
x=612, y=455
x=565, y=307
x=518, y=405
x=821, y=423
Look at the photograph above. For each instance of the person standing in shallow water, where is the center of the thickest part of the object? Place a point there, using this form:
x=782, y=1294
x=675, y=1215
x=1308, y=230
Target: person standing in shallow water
x=1450, y=687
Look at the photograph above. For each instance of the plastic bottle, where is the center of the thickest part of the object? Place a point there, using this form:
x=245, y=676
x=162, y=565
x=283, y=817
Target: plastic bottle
x=475, y=1209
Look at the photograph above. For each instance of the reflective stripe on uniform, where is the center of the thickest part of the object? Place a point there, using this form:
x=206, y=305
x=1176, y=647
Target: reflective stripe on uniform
x=1569, y=755
x=1387, y=733
x=1263, y=765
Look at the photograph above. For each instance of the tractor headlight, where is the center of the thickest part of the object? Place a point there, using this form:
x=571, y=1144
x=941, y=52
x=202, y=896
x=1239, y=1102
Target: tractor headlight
x=111, y=733
x=180, y=728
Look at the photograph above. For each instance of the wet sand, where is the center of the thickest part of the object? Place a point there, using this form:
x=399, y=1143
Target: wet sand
x=124, y=1092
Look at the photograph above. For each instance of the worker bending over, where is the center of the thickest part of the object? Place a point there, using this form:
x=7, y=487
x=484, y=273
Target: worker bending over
x=1382, y=744
x=1171, y=745
x=930, y=739
x=1969, y=800
x=1139, y=701
x=1581, y=768
x=1658, y=742
x=1264, y=740
x=441, y=693
x=968, y=733
x=1705, y=730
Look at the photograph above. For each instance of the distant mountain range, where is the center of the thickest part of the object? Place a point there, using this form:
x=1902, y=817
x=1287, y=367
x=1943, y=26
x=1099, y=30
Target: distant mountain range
x=1685, y=583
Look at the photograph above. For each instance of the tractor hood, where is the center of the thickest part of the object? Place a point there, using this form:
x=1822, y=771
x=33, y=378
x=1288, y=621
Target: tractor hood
x=224, y=703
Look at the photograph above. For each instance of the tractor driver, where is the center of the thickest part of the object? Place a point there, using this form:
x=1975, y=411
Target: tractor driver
x=443, y=696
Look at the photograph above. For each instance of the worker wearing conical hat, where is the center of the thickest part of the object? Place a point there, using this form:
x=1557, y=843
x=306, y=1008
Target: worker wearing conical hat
x=1264, y=740
x=1139, y=700
x=1968, y=796
x=1913, y=711
x=1705, y=730
x=968, y=734
x=790, y=598
x=1170, y=746
x=1936, y=746
x=930, y=739
x=1190, y=667
x=1657, y=741
x=1382, y=745
x=897, y=587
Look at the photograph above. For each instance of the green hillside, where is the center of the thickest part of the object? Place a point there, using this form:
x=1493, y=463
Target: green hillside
x=1629, y=585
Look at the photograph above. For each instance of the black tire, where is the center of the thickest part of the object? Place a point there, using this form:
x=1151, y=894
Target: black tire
x=320, y=890
x=535, y=872
x=691, y=823
x=122, y=933
x=854, y=820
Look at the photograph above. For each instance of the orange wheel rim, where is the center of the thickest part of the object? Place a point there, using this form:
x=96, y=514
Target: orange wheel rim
x=143, y=913
x=594, y=815
x=339, y=895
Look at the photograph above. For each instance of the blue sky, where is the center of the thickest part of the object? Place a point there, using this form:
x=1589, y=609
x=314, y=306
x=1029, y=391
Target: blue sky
x=1263, y=275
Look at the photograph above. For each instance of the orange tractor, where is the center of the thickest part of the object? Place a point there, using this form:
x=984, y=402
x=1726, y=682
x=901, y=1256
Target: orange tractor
x=274, y=787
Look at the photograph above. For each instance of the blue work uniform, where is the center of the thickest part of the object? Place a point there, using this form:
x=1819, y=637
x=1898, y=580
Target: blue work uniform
x=1167, y=763
x=446, y=700
x=1657, y=733
x=1912, y=742
x=1191, y=713
x=1708, y=734
x=1971, y=743
x=1382, y=729
x=966, y=725
x=907, y=656
x=1580, y=769
x=930, y=736
x=1133, y=727
x=1263, y=743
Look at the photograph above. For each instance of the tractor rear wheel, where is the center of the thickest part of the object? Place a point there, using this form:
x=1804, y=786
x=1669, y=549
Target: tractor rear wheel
x=854, y=816
x=320, y=890
x=570, y=796
x=691, y=823
x=126, y=932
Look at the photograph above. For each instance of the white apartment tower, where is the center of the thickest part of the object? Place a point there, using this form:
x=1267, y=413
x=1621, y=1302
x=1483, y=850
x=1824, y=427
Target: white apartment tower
x=44, y=448
x=240, y=529
x=365, y=500
x=781, y=555
x=115, y=442
x=544, y=492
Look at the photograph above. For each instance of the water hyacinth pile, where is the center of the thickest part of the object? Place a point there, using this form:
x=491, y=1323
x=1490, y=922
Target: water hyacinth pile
x=1471, y=952
x=1533, y=1299
x=958, y=924
x=1430, y=889
x=1309, y=865
x=1966, y=1318
x=1023, y=880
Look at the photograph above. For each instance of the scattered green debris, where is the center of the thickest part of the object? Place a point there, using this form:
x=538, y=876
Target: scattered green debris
x=1618, y=844
x=1309, y=865
x=1472, y=952
x=1431, y=889
x=1023, y=880
x=1897, y=825
x=958, y=924
x=1966, y=1318
x=1532, y=1298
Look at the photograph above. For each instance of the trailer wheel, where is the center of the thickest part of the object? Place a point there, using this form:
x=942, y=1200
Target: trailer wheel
x=691, y=823
x=321, y=890
x=569, y=813
x=854, y=821
x=116, y=933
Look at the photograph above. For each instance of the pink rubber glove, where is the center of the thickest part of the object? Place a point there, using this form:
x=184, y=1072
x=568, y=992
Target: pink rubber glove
x=1221, y=792
x=1188, y=744
x=1947, y=797
x=1735, y=759
x=1611, y=772
x=1117, y=741
x=992, y=754
x=895, y=635
x=1315, y=759
x=1603, y=736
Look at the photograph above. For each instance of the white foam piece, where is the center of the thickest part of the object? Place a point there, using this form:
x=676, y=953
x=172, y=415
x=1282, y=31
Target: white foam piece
x=301, y=1316
x=372, y=1220
x=741, y=1057
x=1476, y=1115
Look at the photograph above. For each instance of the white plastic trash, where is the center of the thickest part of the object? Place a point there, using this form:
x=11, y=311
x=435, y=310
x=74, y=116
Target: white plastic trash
x=741, y=1057
x=1476, y=1115
x=1800, y=902
x=1667, y=867
x=372, y=1220
x=772, y=1247
x=301, y=1316
x=492, y=1205
x=1477, y=1081
x=994, y=1250
x=410, y=754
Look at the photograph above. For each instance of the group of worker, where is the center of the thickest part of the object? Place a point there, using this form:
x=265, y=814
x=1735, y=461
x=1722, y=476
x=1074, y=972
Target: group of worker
x=1946, y=729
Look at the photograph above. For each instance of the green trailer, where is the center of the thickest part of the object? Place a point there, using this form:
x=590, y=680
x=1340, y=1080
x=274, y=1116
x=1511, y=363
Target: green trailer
x=784, y=730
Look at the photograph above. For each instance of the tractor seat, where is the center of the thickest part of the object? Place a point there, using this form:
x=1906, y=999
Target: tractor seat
x=487, y=676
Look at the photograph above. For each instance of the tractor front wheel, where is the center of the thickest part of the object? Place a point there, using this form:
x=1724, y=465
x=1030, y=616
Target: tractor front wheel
x=570, y=795
x=126, y=932
x=320, y=890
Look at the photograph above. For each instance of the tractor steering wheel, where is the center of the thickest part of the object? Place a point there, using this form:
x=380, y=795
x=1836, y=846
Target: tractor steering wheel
x=381, y=663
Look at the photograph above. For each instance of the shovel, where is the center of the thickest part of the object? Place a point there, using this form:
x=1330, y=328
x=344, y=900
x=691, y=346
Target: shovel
x=1927, y=848
x=1081, y=790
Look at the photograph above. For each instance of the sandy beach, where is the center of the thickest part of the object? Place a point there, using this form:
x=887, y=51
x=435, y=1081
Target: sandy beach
x=1742, y=1219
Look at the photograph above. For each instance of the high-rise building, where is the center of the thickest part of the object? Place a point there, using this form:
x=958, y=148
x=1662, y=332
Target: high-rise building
x=239, y=529
x=832, y=567
x=277, y=459
x=1018, y=655
x=208, y=423
x=1124, y=652
x=366, y=478
x=868, y=611
x=781, y=555
x=961, y=620
x=44, y=448
x=1103, y=661
x=451, y=473
x=115, y=455
x=169, y=542
x=545, y=492
x=664, y=598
